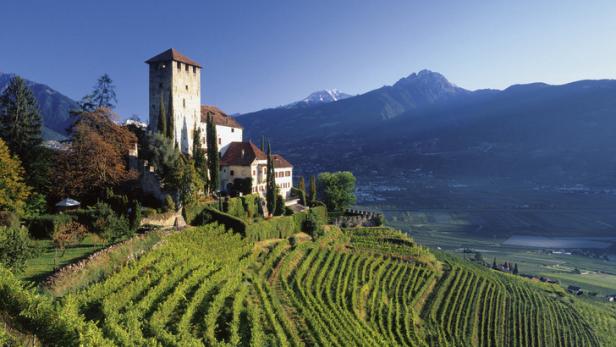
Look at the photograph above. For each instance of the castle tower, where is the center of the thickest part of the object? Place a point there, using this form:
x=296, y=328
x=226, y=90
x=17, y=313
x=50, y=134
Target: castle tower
x=176, y=80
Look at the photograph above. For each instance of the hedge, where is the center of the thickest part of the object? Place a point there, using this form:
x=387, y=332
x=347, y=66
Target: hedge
x=44, y=226
x=192, y=212
x=209, y=215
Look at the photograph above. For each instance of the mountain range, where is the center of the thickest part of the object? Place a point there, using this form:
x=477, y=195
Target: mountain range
x=319, y=97
x=53, y=105
x=423, y=122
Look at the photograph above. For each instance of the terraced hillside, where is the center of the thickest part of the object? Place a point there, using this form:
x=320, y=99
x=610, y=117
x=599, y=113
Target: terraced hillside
x=370, y=287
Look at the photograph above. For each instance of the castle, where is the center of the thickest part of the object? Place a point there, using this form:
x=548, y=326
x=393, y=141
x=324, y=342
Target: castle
x=175, y=81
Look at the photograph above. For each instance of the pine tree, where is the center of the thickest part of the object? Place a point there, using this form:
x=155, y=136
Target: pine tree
x=302, y=188
x=104, y=94
x=313, y=190
x=199, y=156
x=263, y=143
x=213, y=157
x=21, y=120
x=494, y=263
x=171, y=122
x=270, y=189
x=162, y=117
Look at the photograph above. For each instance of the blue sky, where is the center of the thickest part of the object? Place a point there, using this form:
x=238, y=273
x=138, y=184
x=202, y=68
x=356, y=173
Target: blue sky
x=267, y=53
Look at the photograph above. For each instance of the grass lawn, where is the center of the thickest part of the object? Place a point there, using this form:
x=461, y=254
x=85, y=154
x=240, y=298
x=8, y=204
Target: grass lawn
x=37, y=269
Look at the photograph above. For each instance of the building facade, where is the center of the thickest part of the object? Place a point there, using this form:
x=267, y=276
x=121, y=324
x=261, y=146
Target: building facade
x=244, y=160
x=175, y=80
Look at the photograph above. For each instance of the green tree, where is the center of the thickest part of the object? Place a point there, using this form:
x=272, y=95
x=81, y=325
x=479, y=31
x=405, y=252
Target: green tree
x=13, y=190
x=515, y=269
x=104, y=95
x=15, y=248
x=337, y=190
x=279, y=210
x=302, y=191
x=313, y=191
x=213, y=157
x=135, y=215
x=199, y=156
x=162, y=117
x=166, y=159
x=190, y=183
x=21, y=130
x=263, y=143
x=270, y=182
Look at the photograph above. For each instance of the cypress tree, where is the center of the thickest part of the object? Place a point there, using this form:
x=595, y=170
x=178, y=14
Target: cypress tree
x=213, y=157
x=171, y=123
x=313, y=190
x=162, y=117
x=263, y=143
x=199, y=155
x=302, y=188
x=515, y=268
x=270, y=191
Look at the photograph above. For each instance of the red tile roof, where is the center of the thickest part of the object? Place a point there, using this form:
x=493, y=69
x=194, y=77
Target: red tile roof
x=219, y=117
x=280, y=162
x=242, y=154
x=172, y=54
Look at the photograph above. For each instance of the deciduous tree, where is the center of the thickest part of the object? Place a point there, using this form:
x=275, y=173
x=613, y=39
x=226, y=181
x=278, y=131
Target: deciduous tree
x=337, y=190
x=13, y=190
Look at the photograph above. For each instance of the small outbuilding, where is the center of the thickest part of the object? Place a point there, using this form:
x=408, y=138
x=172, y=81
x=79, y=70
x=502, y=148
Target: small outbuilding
x=611, y=298
x=67, y=205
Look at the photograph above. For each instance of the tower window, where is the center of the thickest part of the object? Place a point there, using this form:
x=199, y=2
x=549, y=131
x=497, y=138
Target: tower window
x=184, y=102
x=179, y=66
x=187, y=68
x=194, y=69
x=187, y=87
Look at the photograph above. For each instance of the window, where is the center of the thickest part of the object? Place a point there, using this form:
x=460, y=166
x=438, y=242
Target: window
x=232, y=130
x=254, y=173
x=194, y=69
x=179, y=66
x=288, y=173
x=187, y=67
x=187, y=87
x=219, y=141
x=161, y=66
x=184, y=103
x=232, y=173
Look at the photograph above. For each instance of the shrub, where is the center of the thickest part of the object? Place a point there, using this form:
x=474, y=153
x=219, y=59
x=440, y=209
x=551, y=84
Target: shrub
x=69, y=234
x=15, y=248
x=8, y=219
x=169, y=204
x=279, y=210
x=114, y=228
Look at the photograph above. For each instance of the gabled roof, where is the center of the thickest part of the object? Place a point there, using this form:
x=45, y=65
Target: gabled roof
x=280, y=162
x=242, y=154
x=219, y=117
x=172, y=54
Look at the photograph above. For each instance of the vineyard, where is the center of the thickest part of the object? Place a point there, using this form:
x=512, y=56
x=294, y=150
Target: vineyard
x=371, y=287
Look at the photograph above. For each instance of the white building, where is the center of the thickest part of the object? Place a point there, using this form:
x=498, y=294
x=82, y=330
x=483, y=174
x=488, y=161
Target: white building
x=244, y=160
x=227, y=128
